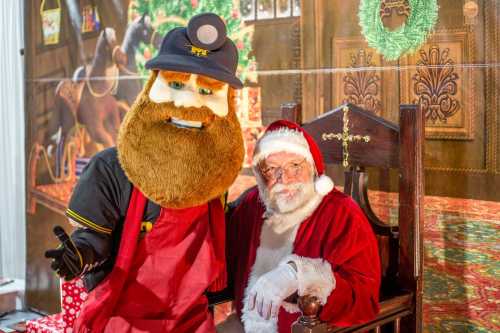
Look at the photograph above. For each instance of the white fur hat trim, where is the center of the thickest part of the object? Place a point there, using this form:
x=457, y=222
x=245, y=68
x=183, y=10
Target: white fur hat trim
x=282, y=140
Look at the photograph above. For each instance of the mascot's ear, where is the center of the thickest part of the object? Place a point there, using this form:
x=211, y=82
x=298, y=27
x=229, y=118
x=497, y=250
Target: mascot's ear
x=143, y=18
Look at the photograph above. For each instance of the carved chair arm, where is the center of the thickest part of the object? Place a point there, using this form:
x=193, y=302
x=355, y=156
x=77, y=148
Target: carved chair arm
x=309, y=307
x=309, y=321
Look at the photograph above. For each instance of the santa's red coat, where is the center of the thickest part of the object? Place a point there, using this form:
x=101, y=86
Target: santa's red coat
x=338, y=232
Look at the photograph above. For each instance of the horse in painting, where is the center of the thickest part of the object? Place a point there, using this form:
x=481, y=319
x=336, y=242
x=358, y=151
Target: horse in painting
x=138, y=31
x=95, y=98
x=98, y=109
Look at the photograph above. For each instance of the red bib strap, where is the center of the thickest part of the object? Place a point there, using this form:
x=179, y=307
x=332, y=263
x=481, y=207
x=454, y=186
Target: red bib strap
x=102, y=301
x=218, y=234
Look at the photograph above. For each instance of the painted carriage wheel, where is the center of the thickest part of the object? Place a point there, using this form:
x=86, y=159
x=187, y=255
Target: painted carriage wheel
x=422, y=17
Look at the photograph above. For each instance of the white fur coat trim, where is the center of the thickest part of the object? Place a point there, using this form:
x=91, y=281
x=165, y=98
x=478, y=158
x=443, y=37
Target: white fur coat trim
x=273, y=248
x=254, y=323
x=276, y=242
x=315, y=276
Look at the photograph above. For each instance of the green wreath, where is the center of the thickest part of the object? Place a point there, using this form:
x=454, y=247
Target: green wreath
x=407, y=38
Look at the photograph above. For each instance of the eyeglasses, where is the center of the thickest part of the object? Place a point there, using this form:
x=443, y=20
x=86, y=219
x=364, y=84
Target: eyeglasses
x=291, y=170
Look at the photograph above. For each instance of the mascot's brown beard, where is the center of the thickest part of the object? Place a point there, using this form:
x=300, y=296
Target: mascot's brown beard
x=179, y=167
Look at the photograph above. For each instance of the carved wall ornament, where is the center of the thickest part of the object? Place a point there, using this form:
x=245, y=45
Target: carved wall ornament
x=402, y=8
x=435, y=84
x=362, y=87
x=471, y=11
x=439, y=80
x=362, y=80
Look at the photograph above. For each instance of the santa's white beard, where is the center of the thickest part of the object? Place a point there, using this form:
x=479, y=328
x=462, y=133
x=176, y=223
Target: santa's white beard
x=279, y=199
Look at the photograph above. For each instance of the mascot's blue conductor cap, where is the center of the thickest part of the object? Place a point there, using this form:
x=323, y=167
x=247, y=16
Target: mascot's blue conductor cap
x=201, y=48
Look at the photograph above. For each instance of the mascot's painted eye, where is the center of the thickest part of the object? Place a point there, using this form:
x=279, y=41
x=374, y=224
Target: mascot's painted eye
x=205, y=91
x=176, y=85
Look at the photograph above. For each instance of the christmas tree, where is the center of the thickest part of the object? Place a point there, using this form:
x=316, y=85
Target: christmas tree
x=166, y=15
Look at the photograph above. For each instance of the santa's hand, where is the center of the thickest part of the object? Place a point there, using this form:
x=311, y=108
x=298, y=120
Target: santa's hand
x=271, y=289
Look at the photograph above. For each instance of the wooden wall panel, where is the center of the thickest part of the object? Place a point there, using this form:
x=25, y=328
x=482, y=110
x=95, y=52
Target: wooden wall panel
x=435, y=79
x=276, y=47
x=462, y=145
x=354, y=82
x=441, y=77
x=492, y=55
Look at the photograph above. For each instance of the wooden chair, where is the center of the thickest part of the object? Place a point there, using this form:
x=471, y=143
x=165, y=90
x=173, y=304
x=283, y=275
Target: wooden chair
x=359, y=139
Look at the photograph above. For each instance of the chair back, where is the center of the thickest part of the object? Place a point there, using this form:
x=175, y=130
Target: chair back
x=357, y=139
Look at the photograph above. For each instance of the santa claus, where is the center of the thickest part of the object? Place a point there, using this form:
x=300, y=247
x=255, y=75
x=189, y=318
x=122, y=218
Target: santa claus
x=293, y=233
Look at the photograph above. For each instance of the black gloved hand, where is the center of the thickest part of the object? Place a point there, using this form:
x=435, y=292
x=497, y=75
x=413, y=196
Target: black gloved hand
x=67, y=259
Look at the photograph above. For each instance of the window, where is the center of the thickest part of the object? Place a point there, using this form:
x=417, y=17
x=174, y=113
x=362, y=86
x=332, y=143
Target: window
x=283, y=8
x=268, y=9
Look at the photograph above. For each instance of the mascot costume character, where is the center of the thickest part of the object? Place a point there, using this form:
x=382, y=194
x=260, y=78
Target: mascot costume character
x=150, y=240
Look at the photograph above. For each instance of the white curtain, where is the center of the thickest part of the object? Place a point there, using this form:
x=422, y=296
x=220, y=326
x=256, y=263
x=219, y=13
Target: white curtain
x=12, y=138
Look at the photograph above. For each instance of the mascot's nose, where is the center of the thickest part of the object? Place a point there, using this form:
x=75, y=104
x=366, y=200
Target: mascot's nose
x=185, y=96
x=191, y=97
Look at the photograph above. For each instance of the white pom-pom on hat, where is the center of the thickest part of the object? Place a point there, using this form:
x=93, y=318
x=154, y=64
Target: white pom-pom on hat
x=323, y=185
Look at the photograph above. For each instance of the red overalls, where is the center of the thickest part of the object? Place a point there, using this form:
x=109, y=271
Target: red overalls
x=157, y=284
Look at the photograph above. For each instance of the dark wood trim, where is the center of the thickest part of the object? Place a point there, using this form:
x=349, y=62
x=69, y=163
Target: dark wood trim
x=356, y=186
x=411, y=215
x=492, y=84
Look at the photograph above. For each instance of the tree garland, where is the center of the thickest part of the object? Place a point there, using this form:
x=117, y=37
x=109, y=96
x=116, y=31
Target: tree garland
x=407, y=38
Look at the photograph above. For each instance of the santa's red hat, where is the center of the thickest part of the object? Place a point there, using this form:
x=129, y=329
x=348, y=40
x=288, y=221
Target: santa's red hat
x=286, y=136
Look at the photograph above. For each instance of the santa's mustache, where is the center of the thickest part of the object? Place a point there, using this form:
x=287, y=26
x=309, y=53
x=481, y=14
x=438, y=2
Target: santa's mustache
x=287, y=198
x=282, y=189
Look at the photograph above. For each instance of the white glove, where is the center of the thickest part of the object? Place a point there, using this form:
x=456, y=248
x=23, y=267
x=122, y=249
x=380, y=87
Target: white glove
x=268, y=293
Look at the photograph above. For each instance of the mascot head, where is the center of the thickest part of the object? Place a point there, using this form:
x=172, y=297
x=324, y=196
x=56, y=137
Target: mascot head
x=181, y=142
